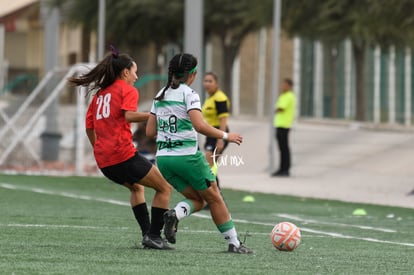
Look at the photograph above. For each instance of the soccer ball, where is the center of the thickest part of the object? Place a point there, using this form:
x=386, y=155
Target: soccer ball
x=285, y=236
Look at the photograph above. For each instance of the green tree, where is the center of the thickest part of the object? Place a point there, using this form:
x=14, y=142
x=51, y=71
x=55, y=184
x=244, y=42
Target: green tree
x=365, y=22
x=139, y=22
x=129, y=24
x=231, y=21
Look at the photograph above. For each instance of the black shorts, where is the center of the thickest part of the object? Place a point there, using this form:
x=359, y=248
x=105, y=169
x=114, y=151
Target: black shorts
x=211, y=143
x=130, y=171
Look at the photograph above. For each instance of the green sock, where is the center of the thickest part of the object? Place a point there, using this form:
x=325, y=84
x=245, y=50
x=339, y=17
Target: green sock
x=229, y=232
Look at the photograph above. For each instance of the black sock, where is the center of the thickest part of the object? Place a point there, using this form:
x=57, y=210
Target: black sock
x=157, y=220
x=142, y=216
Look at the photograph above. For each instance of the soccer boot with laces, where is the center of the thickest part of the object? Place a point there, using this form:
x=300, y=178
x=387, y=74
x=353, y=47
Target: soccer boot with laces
x=155, y=242
x=239, y=250
x=170, y=225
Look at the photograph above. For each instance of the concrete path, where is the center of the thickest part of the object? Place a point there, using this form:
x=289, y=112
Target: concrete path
x=341, y=161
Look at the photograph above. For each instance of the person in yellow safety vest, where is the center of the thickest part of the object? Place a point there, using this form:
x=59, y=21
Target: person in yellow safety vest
x=283, y=120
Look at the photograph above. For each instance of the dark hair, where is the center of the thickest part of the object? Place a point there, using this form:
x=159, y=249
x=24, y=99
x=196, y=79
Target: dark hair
x=288, y=81
x=105, y=73
x=181, y=66
x=214, y=75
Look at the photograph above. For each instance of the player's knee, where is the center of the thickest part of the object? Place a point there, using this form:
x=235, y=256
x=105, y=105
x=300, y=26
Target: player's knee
x=165, y=188
x=136, y=187
x=213, y=197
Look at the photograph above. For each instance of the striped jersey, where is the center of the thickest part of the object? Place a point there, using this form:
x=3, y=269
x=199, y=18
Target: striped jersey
x=176, y=135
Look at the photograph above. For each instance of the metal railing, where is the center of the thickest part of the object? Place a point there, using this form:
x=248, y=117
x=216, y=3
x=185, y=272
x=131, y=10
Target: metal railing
x=20, y=134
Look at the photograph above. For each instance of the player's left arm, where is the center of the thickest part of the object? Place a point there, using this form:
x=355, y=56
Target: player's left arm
x=202, y=127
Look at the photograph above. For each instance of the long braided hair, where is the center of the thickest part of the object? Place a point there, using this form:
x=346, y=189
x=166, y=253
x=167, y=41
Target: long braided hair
x=181, y=66
x=105, y=73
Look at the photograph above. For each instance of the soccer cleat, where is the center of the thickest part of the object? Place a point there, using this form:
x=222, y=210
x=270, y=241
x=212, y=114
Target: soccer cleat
x=170, y=225
x=239, y=250
x=156, y=242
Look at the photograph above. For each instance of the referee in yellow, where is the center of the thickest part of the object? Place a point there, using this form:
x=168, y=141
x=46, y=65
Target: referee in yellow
x=216, y=111
x=283, y=120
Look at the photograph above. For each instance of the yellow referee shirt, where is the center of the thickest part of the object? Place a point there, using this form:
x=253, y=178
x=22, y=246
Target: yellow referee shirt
x=215, y=107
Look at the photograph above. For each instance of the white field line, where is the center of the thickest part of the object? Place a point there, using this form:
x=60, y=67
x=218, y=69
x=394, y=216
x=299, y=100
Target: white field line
x=309, y=230
x=62, y=194
x=89, y=227
x=303, y=229
x=295, y=218
x=64, y=226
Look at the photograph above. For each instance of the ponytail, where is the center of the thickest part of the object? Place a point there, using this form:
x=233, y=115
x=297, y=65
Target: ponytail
x=105, y=73
x=169, y=81
x=180, y=68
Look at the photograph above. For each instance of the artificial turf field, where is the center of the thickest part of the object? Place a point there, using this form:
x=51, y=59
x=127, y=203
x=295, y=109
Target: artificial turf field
x=84, y=225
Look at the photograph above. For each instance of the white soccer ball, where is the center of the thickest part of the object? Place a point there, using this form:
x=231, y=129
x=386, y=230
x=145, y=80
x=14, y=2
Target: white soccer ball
x=285, y=236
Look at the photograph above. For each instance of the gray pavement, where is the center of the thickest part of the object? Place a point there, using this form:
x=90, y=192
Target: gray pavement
x=331, y=160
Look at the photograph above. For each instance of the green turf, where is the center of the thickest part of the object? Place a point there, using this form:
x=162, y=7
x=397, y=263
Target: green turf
x=67, y=225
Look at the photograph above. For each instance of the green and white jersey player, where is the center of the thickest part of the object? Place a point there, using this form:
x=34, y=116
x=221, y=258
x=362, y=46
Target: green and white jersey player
x=175, y=119
x=176, y=135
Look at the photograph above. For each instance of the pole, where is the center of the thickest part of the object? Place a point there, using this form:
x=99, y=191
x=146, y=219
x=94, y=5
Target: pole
x=2, y=69
x=51, y=136
x=261, y=74
x=275, y=77
x=377, y=84
x=297, y=74
x=407, y=87
x=236, y=86
x=193, y=36
x=318, y=77
x=80, y=131
x=101, y=29
x=391, y=86
x=348, y=79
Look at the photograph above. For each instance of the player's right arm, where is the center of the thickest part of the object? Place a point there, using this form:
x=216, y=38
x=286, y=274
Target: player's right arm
x=202, y=127
x=132, y=116
x=91, y=136
x=90, y=125
x=151, y=129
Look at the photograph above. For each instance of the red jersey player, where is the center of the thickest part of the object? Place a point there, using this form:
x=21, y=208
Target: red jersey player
x=112, y=109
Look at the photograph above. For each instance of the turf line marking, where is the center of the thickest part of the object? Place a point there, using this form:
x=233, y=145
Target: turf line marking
x=58, y=226
x=296, y=218
x=63, y=194
x=304, y=229
x=309, y=230
x=339, y=235
x=89, y=227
